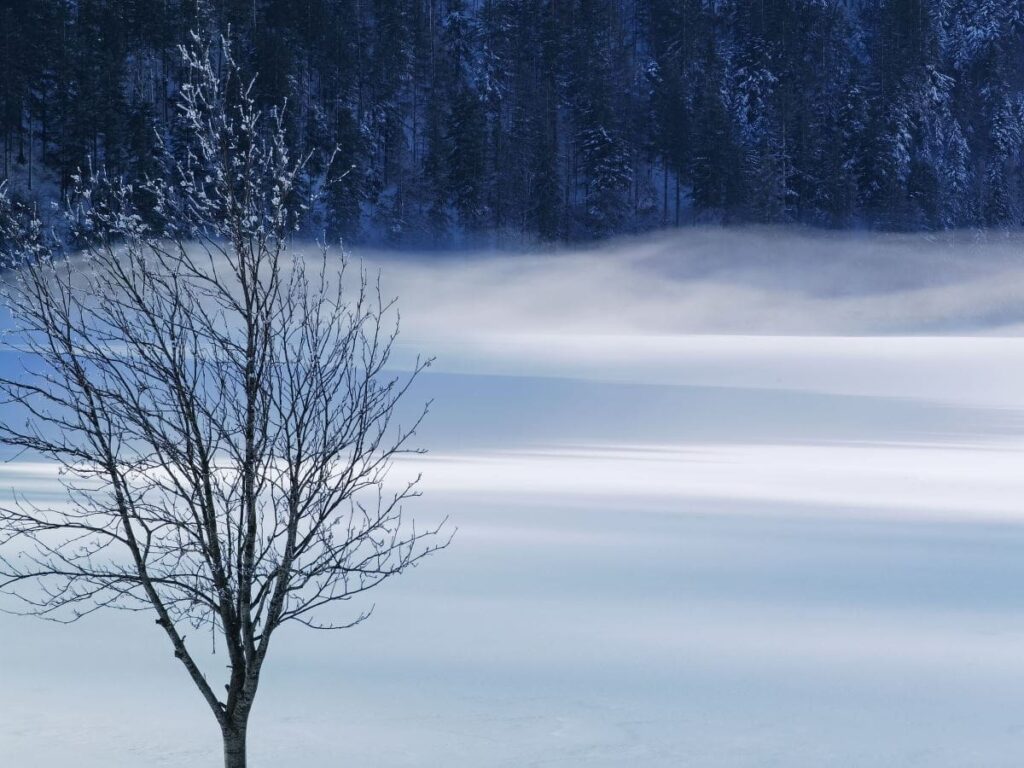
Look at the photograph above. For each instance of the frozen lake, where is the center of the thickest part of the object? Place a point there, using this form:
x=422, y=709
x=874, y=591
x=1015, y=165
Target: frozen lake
x=713, y=509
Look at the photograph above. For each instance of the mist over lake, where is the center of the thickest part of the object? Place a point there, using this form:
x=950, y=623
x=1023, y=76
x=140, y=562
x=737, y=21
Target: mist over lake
x=723, y=498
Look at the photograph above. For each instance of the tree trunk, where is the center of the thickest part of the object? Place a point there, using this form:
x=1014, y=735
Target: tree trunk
x=234, y=746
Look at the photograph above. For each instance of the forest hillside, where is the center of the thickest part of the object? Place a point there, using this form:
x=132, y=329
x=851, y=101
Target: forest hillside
x=509, y=121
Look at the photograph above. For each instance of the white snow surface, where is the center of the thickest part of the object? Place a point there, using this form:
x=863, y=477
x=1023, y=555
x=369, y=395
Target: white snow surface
x=740, y=498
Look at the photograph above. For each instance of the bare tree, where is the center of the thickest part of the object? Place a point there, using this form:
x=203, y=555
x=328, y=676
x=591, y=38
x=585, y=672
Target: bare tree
x=219, y=408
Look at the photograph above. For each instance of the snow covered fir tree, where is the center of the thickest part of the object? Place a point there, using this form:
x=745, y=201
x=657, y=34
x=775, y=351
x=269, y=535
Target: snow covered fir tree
x=508, y=121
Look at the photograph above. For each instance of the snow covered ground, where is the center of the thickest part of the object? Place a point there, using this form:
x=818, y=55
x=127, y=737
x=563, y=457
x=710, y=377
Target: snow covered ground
x=723, y=499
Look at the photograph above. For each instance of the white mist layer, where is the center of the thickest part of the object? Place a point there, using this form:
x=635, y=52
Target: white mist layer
x=756, y=281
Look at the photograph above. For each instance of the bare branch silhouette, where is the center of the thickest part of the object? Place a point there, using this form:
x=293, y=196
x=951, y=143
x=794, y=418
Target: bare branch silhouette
x=220, y=409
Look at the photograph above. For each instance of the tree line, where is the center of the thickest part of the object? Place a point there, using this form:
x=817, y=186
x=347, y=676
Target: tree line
x=473, y=121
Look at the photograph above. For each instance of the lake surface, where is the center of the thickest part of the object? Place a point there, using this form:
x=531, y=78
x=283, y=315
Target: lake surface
x=674, y=547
